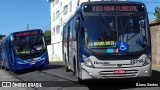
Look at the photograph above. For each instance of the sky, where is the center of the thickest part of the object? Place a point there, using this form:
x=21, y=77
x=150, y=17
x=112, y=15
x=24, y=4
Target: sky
x=16, y=14
x=150, y=4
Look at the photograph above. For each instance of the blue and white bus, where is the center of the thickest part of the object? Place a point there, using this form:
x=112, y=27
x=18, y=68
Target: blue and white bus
x=25, y=49
x=108, y=40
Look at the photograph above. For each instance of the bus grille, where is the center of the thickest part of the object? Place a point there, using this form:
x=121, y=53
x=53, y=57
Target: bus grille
x=129, y=73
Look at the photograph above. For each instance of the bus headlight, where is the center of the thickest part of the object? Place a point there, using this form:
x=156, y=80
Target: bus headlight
x=147, y=61
x=87, y=61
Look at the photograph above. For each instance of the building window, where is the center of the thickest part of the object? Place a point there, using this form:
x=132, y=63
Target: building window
x=57, y=29
x=53, y=31
x=61, y=19
x=53, y=4
x=70, y=6
x=53, y=16
x=57, y=14
x=60, y=4
x=65, y=9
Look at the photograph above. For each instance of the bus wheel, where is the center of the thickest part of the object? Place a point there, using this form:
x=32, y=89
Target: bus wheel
x=40, y=68
x=5, y=67
x=74, y=67
x=80, y=81
x=2, y=66
x=67, y=68
x=14, y=71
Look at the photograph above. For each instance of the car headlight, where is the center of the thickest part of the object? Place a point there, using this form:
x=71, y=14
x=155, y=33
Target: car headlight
x=147, y=61
x=87, y=61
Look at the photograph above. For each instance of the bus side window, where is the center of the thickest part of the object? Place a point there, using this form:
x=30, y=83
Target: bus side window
x=74, y=30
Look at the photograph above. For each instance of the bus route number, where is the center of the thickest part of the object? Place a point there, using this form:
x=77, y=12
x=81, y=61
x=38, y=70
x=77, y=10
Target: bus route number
x=134, y=61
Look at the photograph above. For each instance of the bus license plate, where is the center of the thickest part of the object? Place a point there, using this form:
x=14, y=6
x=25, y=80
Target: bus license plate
x=119, y=71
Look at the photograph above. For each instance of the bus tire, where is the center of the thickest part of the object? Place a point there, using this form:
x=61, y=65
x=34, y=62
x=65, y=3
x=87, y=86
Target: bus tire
x=14, y=71
x=2, y=66
x=74, y=67
x=40, y=67
x=5, y=67
x=80, y=81
x=67, y=68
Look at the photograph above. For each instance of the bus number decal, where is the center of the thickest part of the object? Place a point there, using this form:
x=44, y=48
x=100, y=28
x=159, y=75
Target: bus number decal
x=134, y=61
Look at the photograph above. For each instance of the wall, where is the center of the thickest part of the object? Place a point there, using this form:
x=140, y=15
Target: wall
x=155, y=37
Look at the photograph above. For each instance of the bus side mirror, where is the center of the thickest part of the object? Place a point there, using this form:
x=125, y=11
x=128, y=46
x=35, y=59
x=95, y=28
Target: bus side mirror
x=12, y=38
x=142, y=41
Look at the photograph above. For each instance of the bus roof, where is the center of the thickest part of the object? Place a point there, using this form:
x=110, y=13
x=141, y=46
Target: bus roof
x=26, y=30
x=8, y=36
x=102, y=2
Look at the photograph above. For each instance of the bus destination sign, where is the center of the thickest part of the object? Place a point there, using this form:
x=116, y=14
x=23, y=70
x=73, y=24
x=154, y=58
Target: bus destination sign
x=20, y=34
x=113, y=8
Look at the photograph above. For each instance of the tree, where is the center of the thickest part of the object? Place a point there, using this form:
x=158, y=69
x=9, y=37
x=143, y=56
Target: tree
x=157, y=13
x=47, y=34
x=1, y=36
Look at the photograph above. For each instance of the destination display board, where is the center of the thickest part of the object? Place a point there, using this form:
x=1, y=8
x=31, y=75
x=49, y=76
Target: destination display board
x=114, y=8
x=26, y=33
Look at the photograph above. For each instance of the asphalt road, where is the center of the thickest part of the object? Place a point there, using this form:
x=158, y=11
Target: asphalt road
x=54, y=77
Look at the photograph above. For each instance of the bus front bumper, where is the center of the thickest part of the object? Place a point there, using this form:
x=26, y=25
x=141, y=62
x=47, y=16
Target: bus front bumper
x=102, y=73
x=20, y=66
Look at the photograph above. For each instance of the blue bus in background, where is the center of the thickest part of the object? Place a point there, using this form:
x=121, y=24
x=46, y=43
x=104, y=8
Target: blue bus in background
x=25, y=49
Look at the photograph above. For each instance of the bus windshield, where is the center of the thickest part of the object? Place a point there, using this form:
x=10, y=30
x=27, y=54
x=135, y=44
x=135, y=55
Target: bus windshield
x=106, y=33
x=29, y=46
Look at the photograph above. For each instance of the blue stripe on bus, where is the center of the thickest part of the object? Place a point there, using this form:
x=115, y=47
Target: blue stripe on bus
x=28, y=65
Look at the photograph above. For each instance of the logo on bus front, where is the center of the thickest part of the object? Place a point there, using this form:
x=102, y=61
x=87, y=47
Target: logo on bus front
x=135, y=61
x=104, y=63
x=38, y=58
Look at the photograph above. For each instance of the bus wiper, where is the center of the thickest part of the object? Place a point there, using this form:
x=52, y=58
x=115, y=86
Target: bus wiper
x=126, y=24
x=104, y=21
x=98, y=47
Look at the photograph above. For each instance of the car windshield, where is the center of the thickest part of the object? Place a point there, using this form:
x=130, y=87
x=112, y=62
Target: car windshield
x=115, y=33
x=29, y=46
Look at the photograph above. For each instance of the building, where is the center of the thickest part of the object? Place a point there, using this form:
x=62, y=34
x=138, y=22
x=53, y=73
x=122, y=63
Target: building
x=60, y=13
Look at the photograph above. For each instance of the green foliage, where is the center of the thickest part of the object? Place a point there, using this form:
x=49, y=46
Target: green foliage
x=157, y=13
x=47, y=35
x=1, y=36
